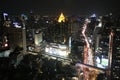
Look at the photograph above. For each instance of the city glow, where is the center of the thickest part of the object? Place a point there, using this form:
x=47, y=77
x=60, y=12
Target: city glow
x=6, y=45
x=61, y=50
x=93, y=15
x=17, y=25
x=61, y=18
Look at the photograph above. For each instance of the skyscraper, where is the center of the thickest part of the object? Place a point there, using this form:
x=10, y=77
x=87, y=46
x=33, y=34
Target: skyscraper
x=115, y=62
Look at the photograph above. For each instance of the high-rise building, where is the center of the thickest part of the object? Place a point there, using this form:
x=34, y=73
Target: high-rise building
x=58, y=31
x=4, y=38
x=115, y=62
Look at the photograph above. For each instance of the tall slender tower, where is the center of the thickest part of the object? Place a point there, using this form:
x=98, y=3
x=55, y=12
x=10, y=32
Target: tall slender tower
x=115, y=62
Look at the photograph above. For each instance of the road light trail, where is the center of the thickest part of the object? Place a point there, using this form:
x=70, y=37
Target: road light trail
x=83, y=32
x=88, y=57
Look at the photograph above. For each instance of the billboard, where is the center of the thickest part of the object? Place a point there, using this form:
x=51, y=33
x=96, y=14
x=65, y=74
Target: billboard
x=102, y=63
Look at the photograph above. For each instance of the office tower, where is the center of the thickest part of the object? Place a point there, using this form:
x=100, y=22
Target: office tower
x=77, y=40
x=58, y=31
x=115, y=62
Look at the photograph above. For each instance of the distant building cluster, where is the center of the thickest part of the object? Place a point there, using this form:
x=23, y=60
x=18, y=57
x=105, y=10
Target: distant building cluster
x=92, y=41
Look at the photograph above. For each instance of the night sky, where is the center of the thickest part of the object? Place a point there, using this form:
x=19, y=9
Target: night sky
x=69, y=7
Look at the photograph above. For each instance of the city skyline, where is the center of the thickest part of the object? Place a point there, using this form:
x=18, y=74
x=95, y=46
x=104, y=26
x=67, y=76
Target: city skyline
x=83, y=44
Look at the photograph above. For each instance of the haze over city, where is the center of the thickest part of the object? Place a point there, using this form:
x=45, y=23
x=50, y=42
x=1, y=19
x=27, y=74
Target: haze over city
x=53, y=7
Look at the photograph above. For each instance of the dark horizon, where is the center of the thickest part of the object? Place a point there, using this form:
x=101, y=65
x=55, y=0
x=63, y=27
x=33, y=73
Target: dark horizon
x=69, y=7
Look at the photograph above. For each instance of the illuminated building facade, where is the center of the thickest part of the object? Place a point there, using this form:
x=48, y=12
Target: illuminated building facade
x=115, y=62
x=11, y=29
x=4, y=37
x=57, y=32
x=110, y=48
x=63, y=29
x=58, y=37
x=61, y=18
